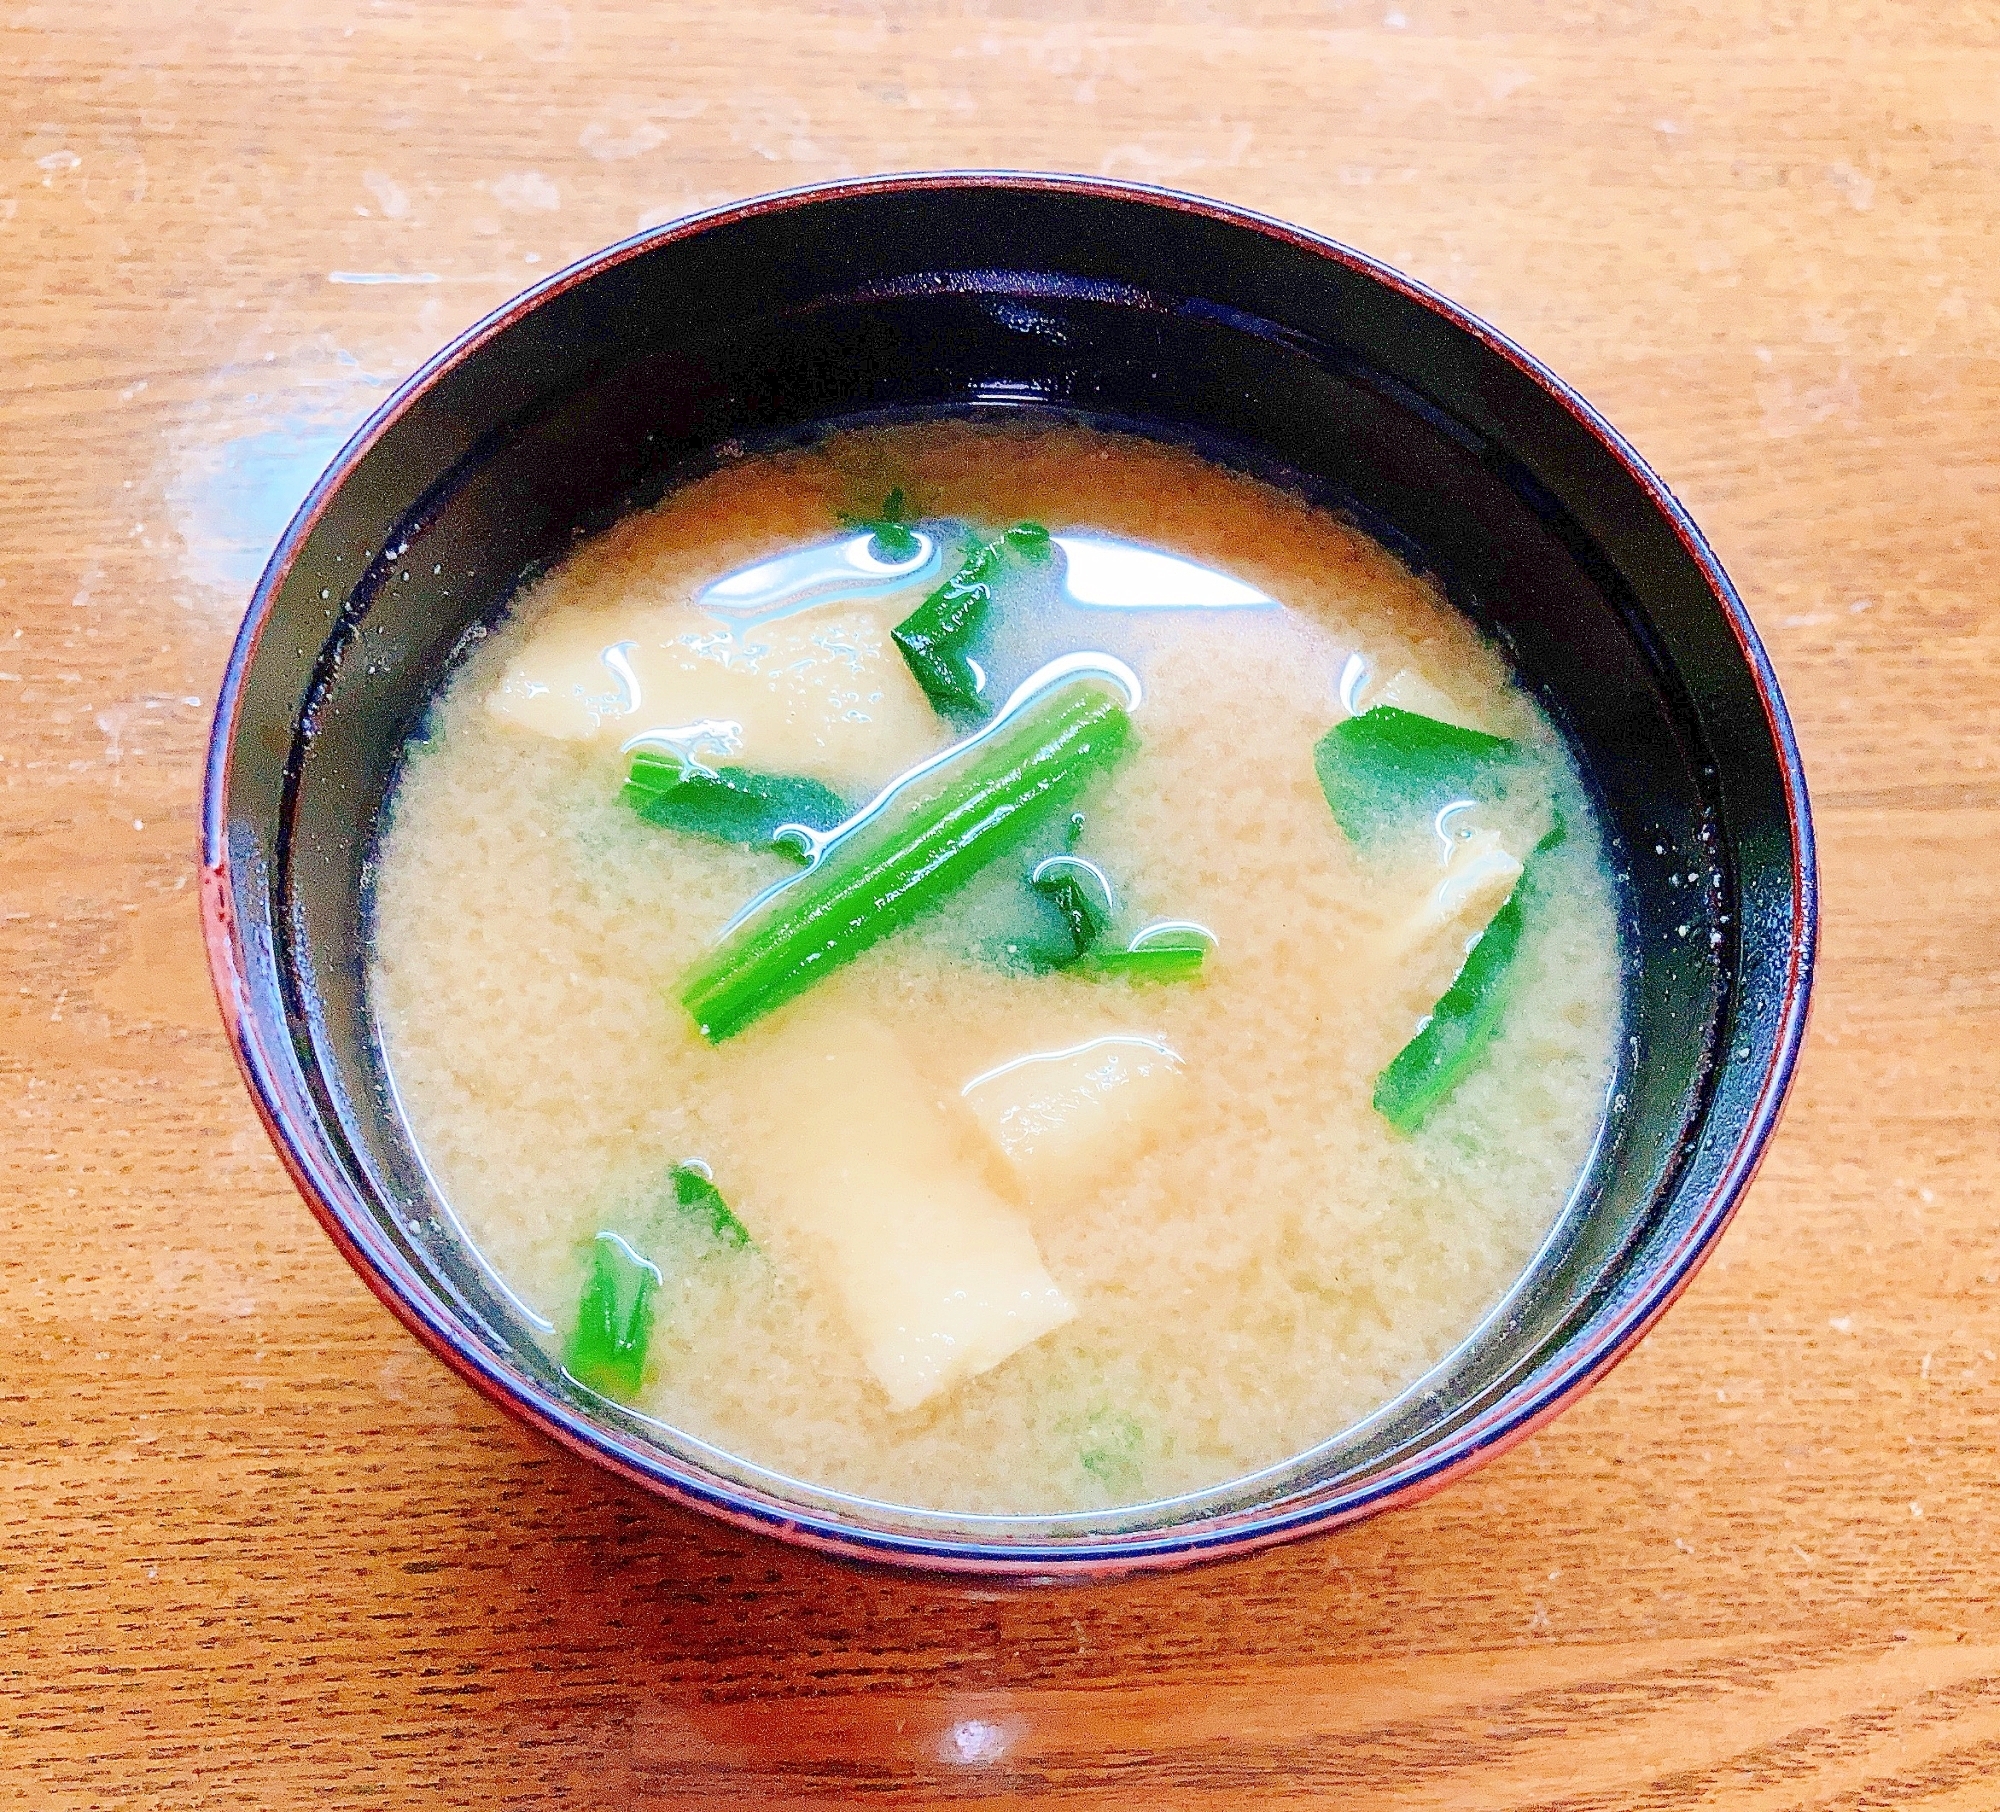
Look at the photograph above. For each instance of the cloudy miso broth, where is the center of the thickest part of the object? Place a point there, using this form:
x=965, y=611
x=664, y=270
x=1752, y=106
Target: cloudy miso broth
x=1001, y=968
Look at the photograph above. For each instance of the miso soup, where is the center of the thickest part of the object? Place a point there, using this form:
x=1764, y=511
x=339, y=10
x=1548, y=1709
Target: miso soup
x=995, y=967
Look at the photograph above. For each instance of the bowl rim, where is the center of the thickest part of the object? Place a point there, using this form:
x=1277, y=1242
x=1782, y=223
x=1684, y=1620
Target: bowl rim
x=1517, y=1412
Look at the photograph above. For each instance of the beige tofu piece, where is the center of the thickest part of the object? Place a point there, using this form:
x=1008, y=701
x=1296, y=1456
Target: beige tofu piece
x=938, y=1277
x=1477, y=873
x=1426, y=947
x=822, y=692
x=1410, y=691
x=1065, y=1119
x=1478, y=876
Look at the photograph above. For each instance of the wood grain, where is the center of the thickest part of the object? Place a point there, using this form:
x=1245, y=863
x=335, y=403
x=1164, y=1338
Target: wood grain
x=259, y=1551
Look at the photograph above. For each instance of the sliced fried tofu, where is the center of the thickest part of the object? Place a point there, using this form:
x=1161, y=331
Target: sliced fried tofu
x=1066, y=1119
x=823, y=692
x=1425, y=947
x=1408, y=690
x=939, y=1279
x=1478, y=875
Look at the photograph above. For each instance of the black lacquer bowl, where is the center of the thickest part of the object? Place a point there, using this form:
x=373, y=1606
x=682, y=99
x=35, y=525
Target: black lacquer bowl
x=633, y=370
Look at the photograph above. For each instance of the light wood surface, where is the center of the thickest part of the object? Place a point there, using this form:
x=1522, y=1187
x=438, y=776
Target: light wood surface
x=257, y=1550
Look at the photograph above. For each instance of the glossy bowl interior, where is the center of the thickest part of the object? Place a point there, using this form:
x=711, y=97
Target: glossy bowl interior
x=611, y=382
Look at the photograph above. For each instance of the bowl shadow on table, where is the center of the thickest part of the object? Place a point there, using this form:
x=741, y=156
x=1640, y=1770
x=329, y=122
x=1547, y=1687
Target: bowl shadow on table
x=619, y=1647
x=690, y=1659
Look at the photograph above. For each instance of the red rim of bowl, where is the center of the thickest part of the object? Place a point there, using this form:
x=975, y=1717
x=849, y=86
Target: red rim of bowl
x=1517, y=1412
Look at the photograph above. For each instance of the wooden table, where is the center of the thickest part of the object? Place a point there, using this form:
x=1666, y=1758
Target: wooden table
x=260, y=1551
